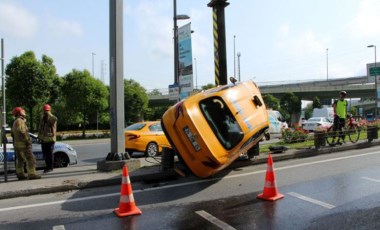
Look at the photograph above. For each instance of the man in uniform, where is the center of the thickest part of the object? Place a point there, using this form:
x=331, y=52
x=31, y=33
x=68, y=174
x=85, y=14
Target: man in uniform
x=47, y=134
x=23, y=146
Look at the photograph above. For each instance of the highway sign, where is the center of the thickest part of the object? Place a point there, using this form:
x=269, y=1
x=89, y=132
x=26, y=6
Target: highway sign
x=374, y=71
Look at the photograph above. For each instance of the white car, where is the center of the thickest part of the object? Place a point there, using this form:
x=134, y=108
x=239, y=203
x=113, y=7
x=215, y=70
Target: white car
x=64, y=154
x=317, y=123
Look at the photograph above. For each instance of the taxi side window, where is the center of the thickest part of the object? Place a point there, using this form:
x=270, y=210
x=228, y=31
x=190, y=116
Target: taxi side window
x=222, y=122
x=155, y=128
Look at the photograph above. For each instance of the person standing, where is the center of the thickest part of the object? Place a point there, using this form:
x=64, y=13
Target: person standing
x=47, y=134
x=23, y=146
x=340, y=114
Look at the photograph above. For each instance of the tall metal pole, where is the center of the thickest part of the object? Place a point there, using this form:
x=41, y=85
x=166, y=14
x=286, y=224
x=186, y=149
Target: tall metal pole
x=327, y=63
x=116, y=79
x=196, y=73
x=238, y=55
x=220, y=56
x=234, y=58
x=4, y=120
x=175, y=35
x=93, y=54
x=376, y=97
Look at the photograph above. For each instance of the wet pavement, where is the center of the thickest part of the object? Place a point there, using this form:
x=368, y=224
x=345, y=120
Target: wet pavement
x=84, y=176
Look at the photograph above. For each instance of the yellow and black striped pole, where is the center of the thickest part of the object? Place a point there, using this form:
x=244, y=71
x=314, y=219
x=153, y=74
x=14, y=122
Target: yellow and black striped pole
x=220, y=56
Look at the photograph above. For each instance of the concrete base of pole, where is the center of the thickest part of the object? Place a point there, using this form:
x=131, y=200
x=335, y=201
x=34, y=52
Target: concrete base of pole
x=108, y=166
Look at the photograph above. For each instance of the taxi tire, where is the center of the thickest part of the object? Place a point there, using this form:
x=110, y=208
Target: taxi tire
x=254, y=151
x=151, y=150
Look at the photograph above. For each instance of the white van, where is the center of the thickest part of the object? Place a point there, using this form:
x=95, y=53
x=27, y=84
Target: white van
x=277, y=122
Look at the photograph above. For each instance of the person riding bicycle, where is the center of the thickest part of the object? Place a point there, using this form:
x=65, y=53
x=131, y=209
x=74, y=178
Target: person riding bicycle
x=340, y=114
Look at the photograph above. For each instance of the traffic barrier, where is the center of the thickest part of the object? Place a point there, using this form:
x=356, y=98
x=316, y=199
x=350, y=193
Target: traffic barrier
x=127, y=204
x=270, y=191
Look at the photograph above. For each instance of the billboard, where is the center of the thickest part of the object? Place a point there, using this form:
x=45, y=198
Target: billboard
x=185, y=57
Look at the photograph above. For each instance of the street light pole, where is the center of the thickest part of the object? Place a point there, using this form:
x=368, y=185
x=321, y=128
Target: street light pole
x=196, y=74
x=327, y=63
x=238, y=55
x=175, y=35
x=93, y=54
x=234, y=58
x=4, y=115
x=376, y=98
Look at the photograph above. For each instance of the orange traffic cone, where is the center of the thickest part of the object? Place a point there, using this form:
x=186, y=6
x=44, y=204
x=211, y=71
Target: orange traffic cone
x=270, y=190
x=127, y=204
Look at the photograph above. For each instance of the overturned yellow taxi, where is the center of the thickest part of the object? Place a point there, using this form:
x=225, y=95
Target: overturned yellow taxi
x=213, y=128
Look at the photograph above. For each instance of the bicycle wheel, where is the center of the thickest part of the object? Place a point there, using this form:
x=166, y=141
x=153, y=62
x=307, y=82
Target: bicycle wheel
x=353, y=133
x=331, y=136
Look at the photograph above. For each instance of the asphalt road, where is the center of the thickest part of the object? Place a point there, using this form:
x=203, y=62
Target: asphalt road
x=92, y=151
x=331, y=191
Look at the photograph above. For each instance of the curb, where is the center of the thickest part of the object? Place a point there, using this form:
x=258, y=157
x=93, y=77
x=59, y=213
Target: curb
x=154, y=173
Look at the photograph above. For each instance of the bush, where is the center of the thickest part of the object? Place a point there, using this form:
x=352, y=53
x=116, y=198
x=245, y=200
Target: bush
x=294, y=135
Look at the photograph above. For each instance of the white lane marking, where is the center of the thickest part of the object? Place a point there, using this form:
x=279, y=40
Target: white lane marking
x=59, y=227
x=311, y=200
x=58, y=202
x=214, y=220
x=185, y=184
x=371, y=179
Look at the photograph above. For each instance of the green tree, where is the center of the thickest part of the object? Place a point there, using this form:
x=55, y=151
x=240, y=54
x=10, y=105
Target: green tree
x=208, y=86
x=135, y=101
x=31, y=83
x=290, y=104
x=317, y=103
x=353, y=110
x=308, y=110
x=84, y=95
x=155, y=92
x=271, y=102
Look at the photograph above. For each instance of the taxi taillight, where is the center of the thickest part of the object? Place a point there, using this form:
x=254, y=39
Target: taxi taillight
x=178, y=109
x=133, y=136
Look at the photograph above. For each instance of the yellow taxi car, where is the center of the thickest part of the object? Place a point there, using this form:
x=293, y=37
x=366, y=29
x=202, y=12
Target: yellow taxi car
x=211, y=129
x=146, y=137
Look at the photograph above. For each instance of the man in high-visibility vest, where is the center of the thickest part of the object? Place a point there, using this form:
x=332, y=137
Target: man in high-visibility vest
x=23, y=146
x=340, y=114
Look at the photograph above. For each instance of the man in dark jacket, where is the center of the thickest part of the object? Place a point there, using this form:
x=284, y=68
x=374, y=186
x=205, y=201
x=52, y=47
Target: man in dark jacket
x=47, y=134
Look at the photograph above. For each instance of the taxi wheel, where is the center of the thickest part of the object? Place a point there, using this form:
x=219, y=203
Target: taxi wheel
x=254, y=151
x=61, y=160
x=151, y=150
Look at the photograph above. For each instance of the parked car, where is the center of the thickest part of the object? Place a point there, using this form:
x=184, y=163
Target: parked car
x=212, y=128
x=369, y=117
x=277, y=122
x=64, y=154
x=146, y=137
x=317, y=123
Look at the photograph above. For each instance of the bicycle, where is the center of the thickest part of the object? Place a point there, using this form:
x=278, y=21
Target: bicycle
x=350, y=128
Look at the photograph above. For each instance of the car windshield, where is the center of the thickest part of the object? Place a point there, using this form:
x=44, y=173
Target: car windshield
x=137, y=126
x=221, y=121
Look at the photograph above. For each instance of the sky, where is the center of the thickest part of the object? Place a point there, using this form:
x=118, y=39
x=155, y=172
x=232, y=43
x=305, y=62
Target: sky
x=278, y=41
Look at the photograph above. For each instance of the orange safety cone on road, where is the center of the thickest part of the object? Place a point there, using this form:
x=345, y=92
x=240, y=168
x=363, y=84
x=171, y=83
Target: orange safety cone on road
x=127, y=204
x=270, y=190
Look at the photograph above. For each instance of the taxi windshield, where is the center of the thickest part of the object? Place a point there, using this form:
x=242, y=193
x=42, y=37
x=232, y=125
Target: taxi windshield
x=221, y=121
